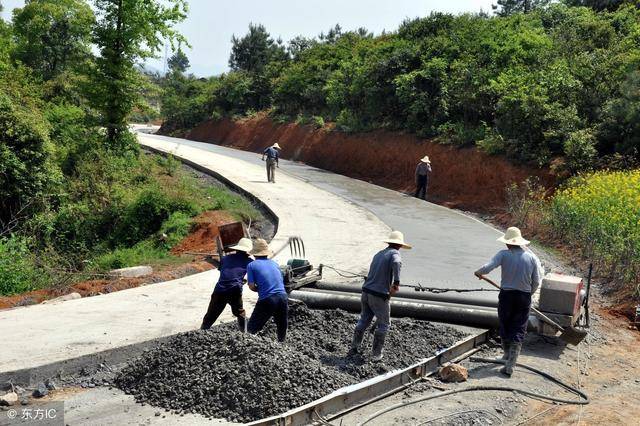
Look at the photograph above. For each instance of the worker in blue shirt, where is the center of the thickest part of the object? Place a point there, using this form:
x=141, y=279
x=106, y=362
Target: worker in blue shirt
x=264, y=277
x=228, y=290
x=382, y=282
x=521, y=276
x=272, y=161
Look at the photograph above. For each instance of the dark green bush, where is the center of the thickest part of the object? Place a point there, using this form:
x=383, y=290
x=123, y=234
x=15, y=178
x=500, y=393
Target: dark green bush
x=26, y=168
x=18, y=271
x=145, y=215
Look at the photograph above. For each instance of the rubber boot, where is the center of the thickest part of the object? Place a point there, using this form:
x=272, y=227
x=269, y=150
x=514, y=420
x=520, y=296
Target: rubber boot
x=514, y=352
x=505, y=351
x=358, y=335
x=242, y=324
x=378, y=344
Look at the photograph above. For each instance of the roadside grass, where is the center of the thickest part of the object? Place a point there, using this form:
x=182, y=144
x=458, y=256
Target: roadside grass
x=116, y=214
x=163, y=210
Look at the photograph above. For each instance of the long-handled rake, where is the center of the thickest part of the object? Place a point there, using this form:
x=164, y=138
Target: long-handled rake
x=296, y=248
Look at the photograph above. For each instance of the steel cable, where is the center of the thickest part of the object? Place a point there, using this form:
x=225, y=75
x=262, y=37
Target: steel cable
x=418, y=287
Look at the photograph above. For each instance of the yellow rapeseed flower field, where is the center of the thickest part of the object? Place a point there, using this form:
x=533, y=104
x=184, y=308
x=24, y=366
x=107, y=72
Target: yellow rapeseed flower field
x=599, y=213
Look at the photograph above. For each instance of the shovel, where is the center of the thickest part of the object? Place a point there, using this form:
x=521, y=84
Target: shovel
x=570, y=334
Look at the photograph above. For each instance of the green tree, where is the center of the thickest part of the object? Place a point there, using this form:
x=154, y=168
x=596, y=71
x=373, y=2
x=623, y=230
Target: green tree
x=178, y=62
x=598, y=5
x=128, y=32
x=52, y=35
x=5, y=43
x=620, y=126
x=26, y=170
x=509, y=7
x=253, y=51
x=298, y=45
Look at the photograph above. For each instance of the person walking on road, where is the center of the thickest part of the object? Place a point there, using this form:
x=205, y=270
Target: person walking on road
x=264, y=277
x=382, y=282
x=521, y=276
x=423, y=170
x=272, y=161
x=228, y=290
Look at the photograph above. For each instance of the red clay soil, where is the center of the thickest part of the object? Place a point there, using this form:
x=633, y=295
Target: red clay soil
x=462, y=178
x=201, y=239
x=203, y=233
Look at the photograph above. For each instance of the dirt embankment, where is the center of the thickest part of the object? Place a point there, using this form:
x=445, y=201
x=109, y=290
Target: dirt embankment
x=462, y=178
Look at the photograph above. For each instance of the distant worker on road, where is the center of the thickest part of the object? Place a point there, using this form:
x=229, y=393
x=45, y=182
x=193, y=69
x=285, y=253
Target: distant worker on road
x=521, y=276
x=272, y=161
x=423, y=170
x=264, y=277
x=228, y=290
x=382, y=282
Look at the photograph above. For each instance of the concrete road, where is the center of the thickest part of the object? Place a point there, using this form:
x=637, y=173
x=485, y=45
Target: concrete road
x=447, y=244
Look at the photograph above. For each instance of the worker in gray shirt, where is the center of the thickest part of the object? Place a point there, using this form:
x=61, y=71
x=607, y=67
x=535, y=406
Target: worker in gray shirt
x=521, y=276
x=382, y=282
x=423, y=170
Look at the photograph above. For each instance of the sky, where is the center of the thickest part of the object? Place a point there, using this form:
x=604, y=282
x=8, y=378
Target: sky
x=211, y=23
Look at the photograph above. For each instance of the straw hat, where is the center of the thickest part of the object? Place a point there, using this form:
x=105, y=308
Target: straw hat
x=513, y=237
x=396, y=237
x=276, y=146
x=425, y=159
x=261, y=248
x=244, y=245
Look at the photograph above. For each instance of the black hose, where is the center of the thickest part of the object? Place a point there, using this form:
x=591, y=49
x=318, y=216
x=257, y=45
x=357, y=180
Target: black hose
x=583, y=401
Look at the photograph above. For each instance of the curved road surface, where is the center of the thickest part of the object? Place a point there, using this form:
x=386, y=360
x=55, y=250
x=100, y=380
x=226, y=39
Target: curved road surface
x=447, y=245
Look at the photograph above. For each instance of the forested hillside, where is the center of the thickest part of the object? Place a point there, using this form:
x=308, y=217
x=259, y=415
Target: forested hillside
x=77, y=197
x=558, y=81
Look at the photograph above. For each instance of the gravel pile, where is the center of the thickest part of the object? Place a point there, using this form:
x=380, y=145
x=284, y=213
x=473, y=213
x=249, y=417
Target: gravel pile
x=222, y=373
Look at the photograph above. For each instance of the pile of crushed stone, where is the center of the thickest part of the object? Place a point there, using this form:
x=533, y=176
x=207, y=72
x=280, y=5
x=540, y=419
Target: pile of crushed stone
x=223, y=373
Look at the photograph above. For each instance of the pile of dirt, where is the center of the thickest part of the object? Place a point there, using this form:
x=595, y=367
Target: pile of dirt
x=463, y=178
x=225, y=374
x=202, y=238
x=222, y=373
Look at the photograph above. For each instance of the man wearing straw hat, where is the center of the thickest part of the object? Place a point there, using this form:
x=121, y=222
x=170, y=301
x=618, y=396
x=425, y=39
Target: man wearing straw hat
x=422, y=177
x=228, y=290
x=272, y=161
x=382, y=282
x=521, y=276
x=264, y=277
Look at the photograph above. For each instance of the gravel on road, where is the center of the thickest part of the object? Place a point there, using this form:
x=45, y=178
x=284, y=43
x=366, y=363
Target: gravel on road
x=223, y=373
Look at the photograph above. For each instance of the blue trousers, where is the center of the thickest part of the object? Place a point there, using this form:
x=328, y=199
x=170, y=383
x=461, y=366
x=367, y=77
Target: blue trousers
x=513, y=313
x=276, y=306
